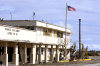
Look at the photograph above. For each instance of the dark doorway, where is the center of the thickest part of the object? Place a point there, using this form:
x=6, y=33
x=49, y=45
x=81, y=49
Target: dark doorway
x=28, y=54
x=1, y=50
x=1, y=53
x=19, y=52
x=10, y=54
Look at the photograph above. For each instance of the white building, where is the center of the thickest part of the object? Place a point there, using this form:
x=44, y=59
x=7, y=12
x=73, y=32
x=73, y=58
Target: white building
x=31, y=41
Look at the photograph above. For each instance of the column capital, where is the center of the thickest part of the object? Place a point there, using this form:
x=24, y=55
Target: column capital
x=46, y=46
x=33, y=45
x=5, y=47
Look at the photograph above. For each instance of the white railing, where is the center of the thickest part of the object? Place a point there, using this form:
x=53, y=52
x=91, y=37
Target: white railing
x=49, y=40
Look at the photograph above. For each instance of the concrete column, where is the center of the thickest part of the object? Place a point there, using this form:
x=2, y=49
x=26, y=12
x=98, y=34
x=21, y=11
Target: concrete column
x=39, y=56
x=33, y=54
x=25, y=54
x=5, y=55
x=16, y=55
x=57, y=53
x=46, y=48
x=51, y=56
x=36, y=53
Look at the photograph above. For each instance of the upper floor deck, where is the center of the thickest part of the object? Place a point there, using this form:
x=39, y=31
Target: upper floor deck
x=33, y=32
x=16, y=34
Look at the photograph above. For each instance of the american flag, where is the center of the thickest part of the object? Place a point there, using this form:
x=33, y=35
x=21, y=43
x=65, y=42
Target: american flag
x=71, y=8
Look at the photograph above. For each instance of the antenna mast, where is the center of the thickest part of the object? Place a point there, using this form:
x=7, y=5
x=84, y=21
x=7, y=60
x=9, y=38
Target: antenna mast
x=33, y=15
x=10, y=15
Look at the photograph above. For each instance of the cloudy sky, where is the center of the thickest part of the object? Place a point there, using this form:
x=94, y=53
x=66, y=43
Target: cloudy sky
x=53, y=11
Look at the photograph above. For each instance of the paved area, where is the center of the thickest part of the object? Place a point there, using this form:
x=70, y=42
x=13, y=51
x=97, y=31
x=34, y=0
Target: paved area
x=95, y=62
x=72, y=63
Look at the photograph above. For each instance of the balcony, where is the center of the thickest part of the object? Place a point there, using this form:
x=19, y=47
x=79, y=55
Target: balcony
x=9, y=33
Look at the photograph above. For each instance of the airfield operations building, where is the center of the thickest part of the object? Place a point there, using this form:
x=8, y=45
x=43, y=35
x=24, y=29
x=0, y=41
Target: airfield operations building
x=31, y=41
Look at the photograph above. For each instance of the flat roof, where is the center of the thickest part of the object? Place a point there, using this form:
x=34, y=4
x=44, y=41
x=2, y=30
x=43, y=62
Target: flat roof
x=23, y=23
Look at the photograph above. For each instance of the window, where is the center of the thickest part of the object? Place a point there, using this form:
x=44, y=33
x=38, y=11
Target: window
x=47, y=32
x=55, y=33
x=30, y=27
x=42, y=50
x=68, y=34
x=1, y=50
x=60, y=34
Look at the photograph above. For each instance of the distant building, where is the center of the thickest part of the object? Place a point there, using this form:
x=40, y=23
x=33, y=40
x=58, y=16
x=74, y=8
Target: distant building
x=31, y=41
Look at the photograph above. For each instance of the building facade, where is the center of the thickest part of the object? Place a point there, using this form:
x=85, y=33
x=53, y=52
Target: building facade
x=31, y=41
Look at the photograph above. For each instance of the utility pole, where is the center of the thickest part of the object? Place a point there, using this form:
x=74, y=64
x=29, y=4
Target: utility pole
x=79, y=38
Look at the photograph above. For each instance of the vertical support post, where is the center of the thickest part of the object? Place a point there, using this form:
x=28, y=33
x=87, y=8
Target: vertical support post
x=25, y=54
x=46, y=47
x=57, y=53
x=79, y=38
x=52, y=53
x=5, y=55
x=16, y=55
x=33, y=54
x=39, y=56
x=36, y=53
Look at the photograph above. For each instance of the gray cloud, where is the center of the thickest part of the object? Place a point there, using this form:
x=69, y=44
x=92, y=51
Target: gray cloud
x=6, y=8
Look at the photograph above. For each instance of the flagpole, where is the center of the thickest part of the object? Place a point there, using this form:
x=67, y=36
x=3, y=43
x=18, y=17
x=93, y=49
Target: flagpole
x=66, y=25
x=65, y=31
